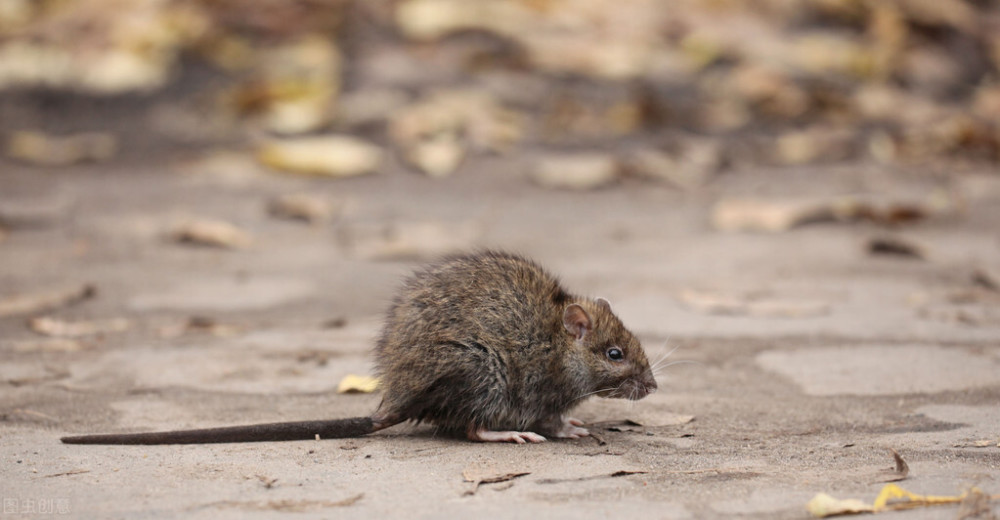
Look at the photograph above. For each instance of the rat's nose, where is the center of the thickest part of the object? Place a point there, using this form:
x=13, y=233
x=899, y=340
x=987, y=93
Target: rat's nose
x=649, y=382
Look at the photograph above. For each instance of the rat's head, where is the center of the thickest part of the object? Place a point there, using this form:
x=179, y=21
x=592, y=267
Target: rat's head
x=613, y=356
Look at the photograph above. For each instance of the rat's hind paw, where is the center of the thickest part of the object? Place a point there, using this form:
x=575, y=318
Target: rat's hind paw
x=571, y=429
x=492, y=436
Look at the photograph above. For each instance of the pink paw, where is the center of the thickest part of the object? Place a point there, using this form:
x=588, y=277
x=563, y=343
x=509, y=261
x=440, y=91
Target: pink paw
x=571, y=429
x=492, y=436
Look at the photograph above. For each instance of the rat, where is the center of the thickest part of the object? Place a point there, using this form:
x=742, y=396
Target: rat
x=485, y=344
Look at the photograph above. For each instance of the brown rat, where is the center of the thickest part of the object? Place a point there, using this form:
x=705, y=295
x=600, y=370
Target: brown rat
x=486, y=344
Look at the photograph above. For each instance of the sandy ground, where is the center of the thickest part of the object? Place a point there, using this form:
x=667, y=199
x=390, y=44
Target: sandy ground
x=854, y=354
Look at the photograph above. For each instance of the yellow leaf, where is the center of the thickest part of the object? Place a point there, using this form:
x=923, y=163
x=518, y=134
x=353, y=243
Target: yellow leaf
x=893, y=497
x=354, y=384
x=823, y=505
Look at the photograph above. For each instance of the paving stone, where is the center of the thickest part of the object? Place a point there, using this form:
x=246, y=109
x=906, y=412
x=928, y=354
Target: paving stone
x=882, y=369
x=220, y=294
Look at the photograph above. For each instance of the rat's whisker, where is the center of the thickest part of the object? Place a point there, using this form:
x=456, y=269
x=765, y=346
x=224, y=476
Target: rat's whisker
x=678, y=362
x=663, y=358
x=592, y=393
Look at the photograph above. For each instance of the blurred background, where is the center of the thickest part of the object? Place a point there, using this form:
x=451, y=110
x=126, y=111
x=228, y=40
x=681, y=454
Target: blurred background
x=159, y=139
x=677, y=91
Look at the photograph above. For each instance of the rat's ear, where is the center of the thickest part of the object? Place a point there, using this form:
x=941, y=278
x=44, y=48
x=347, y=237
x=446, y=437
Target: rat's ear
x=601, y=302
x=577, y=321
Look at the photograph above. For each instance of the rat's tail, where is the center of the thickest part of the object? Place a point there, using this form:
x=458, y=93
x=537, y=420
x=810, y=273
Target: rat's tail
x=286, y=431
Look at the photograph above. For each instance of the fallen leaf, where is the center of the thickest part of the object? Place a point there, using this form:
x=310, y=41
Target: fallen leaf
x=772, y=216
x=49, y=326
x=301, y=206
x=48, y=345
x=46, y=150
x=900, y=472
x=823, y=505
x=475, y=115
x=203, y=325
x=583, y=171
x=987, y=278
x=813, y=145
x=890, y=498
x=688, y=168
x=437, y=157
x=896, y=246
x=616, y=474
x=293, y=86
x=45, y=300
x=355, y=384
x=327, y=156
x=215, y=233
x=980, y=443
x=494, y=479
x=68, y=473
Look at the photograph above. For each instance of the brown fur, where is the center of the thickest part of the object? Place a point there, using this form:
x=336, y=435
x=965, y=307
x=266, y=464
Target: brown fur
x=480, y=342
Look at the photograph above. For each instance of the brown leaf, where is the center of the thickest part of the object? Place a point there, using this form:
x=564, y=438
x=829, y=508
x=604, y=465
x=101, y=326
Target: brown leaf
x=619, y=473
x=49, y=326
x=45, y=299
x=215, y=233
x=301, y=206
x=987, y=278
x=576, y=172
x=326, y=156
x=45, y=150
x=770, y=216
x=897, y=474
x=493, y=479
x=896, y=246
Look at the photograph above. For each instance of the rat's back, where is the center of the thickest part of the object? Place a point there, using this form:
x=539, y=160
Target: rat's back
x=488, y=295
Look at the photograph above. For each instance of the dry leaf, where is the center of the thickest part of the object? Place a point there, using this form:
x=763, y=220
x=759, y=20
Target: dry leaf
x=301, y=206
x=492, y=479
x=49, y=326
x=582, y=171
x=437, y=157
x=46, y=150
x=199, y=324
x=355, y=384
x=987, y=278
x=45, y=300
x=49, y=345
x=475, y=115
x=616, y=474
x=900, y=472
x=770, y=216
x=293, y=86
x=890, y=498
x=823, y=505
x=328, y=156
x=896, y=246
x=688, y=168
x=215, y=233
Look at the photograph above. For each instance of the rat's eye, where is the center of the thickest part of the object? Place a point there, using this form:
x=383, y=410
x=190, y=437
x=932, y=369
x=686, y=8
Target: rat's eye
x=615, y=354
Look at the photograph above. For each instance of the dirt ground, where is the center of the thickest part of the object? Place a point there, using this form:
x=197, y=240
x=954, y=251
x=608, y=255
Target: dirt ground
x=853, y=354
